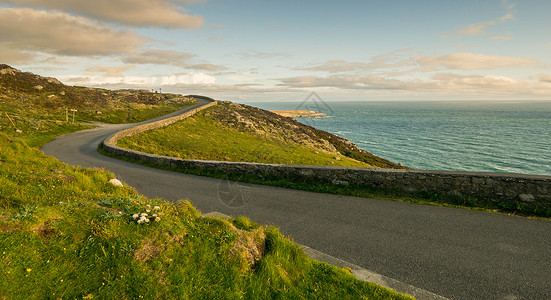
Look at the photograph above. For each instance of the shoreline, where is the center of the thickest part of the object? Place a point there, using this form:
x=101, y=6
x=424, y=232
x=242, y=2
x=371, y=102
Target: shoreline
x=300, y=113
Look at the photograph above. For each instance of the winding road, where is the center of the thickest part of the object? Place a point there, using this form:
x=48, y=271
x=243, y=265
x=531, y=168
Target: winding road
x=455, y=253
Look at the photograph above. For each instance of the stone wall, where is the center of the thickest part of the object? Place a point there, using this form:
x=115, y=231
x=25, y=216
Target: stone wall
x=531, y=190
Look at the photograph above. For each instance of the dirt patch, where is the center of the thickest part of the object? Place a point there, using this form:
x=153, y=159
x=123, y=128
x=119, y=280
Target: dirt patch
x=45, y=230
x=250, y=245
x=149, y=250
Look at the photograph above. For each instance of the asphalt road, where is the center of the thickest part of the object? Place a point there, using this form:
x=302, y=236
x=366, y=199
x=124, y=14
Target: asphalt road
x=459, y=254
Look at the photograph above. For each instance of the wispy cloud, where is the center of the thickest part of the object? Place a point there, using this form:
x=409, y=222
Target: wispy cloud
x=471, y=61
x=442, y=83
x=172, y=58
x=140, y=13
x=390, y=60
x=159, y=57
x=480, y=28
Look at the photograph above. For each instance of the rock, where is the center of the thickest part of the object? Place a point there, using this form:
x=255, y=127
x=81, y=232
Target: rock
x=337, y=158
x=38, y=87
x=19, y=131
x=62, y=93
x=115, y=182
x=51, y=96
x=526, y=197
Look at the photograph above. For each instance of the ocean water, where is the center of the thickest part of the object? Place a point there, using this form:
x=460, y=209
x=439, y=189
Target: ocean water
x=495, y=136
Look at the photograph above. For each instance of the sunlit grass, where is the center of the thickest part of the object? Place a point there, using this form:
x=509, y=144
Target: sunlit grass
x=205, y=138
x=66, y=232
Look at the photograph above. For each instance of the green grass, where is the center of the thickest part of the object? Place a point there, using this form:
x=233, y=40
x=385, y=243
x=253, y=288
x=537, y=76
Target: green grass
x=65, y=232
x=203, y=137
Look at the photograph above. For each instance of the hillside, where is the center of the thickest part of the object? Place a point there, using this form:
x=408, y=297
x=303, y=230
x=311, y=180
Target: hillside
x=236, y=132
x=24, y=93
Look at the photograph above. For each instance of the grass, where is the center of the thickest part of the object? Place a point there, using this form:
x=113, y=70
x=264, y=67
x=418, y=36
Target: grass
x=65, y=232
x=203, y=137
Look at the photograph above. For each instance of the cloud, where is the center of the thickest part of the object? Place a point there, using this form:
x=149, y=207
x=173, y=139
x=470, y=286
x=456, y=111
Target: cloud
x=500, y=38
x=140, y=13
x=111, y=71
x=471, y=61
x=194, y=78
x=119, y=81
x=207, y=67
x=384, y=61
x=480, y=28
x=442, y=83
x=477, y=29
x=545, y=78
x=15, y=56
x=170, y=57
x=25, y=29
x=159, y=57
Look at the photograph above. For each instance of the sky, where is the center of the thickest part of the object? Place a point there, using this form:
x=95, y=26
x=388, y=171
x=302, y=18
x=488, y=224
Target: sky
x=247, y=50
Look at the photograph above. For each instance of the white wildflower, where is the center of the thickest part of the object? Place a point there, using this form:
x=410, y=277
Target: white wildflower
x=147, y=210
x=135, y=216
x=148, y=206
x=139, y=221
x=154, y=215
x=156, y=208
x=157, y=219
x=143, y=214
x=147, y=220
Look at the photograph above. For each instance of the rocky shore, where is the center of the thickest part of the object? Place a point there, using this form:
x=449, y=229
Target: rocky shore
x=300, y=113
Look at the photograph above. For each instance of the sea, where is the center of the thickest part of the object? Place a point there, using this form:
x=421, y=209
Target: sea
x=480, y=136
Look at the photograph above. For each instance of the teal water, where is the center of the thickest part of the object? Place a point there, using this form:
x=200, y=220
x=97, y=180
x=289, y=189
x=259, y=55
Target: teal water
x=460, y=135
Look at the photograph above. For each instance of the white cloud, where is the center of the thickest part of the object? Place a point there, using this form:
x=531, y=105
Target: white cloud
x=120, y=81
x=141, y=13
x=472, y=61
x=28, y=30
x=194, y=78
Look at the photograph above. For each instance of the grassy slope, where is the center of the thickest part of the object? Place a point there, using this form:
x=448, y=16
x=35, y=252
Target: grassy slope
x=241, y=133
x=34, y=101
x=65, y=232
x=232, y=132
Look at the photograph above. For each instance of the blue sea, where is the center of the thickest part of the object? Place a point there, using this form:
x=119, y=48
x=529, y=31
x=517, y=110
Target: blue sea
x=495, y=136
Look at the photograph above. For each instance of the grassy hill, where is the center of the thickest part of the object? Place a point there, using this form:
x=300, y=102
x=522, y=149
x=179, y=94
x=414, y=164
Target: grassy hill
x=66, y=232
x=235, y=132
x=37, y=105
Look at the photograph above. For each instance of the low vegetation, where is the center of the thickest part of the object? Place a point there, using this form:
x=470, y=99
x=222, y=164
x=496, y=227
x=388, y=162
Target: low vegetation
x=67, y=232
x=234, y=132
x=34, y=99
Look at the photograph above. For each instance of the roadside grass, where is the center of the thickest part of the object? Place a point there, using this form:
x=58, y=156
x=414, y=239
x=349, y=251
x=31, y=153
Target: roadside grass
x=202, y=137
x=65, y=232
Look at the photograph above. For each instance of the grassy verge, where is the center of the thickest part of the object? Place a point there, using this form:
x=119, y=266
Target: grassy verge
x=363, y=191
x=202, y=137
x=65, y=232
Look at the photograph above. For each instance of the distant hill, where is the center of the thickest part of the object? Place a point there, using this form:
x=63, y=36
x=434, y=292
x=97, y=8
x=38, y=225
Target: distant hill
x=25, y=93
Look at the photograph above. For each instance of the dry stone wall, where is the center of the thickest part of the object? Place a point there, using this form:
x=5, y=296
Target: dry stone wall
x=531, y=190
